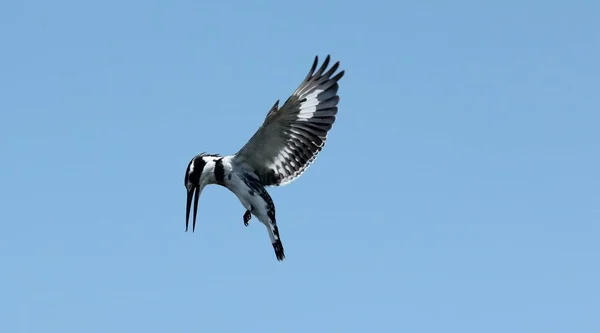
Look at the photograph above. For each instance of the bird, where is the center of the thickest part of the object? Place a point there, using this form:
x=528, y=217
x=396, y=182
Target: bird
x=280, y=151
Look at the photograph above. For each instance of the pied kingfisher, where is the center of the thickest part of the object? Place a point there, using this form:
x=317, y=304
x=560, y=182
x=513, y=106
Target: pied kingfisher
x=285, y=145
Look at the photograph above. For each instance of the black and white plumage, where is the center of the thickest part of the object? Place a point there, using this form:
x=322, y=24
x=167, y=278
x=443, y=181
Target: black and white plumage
x=288, y=141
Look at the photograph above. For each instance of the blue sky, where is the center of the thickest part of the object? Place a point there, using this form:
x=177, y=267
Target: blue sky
x=458, y=191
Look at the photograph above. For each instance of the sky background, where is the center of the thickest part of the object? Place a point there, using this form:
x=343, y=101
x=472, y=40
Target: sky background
x=458, y=190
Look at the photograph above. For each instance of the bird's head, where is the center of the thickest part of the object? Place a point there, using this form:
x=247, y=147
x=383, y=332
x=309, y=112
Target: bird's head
x=195, y=180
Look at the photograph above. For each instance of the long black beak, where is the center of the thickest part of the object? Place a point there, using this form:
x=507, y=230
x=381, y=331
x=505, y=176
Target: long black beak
x=190, y=195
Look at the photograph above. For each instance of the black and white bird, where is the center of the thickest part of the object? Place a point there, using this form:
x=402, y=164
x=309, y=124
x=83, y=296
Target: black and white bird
x=281, y=150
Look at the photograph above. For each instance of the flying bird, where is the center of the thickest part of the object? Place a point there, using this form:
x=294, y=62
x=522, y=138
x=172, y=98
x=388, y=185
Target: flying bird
x=284, y=146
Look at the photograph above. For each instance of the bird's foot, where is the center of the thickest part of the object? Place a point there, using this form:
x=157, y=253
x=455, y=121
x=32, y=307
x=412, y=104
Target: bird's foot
x=278, y=247
x=247, y=217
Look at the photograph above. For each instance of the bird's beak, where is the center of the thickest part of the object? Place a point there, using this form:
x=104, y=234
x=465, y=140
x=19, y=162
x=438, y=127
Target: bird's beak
x=190, y=194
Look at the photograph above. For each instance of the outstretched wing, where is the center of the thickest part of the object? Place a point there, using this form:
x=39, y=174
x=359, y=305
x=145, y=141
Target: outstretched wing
x=292, y=136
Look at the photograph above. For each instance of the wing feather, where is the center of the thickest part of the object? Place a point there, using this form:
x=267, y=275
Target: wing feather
x=292, y=136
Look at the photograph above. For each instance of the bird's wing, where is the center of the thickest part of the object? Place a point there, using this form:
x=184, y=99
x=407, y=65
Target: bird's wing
x=290, y=138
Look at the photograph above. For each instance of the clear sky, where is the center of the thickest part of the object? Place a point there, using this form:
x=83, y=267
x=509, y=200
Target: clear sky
x=458, y=190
